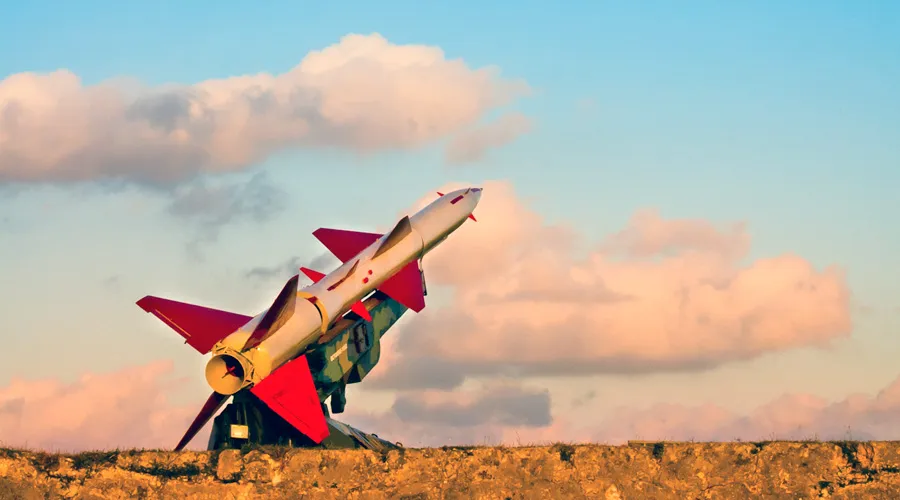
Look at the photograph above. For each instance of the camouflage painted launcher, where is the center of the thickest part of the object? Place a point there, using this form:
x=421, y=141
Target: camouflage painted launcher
x=351, y=349
x=248, y=421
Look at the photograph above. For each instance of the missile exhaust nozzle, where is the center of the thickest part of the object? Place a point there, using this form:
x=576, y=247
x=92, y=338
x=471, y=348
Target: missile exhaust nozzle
x=227, y=374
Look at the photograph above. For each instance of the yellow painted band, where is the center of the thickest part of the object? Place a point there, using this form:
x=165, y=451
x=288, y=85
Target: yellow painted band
x=319, y=305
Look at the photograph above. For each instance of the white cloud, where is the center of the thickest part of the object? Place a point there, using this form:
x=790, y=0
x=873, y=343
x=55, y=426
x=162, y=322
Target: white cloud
x=662, y=294
x=472, y=145
x=362, y=93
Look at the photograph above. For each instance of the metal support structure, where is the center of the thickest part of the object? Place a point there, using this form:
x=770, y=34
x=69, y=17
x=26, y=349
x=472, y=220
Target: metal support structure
x=246, y=420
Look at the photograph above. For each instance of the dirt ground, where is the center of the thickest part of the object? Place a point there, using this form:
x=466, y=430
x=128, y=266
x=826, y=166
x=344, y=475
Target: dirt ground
x=639, y=470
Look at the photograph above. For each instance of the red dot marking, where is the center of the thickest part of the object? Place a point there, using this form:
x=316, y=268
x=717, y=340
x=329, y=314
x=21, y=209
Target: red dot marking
x=370, y=271
x=365, y=280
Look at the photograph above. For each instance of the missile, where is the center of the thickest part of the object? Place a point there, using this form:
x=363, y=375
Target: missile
x=265, y=354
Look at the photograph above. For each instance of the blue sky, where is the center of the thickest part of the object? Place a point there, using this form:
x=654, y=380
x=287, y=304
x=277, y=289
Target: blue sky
x=784, y=115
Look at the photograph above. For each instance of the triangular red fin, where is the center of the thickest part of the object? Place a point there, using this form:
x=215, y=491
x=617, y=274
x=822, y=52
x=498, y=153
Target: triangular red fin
x=472, y=216
x=406, y=287
x=200, y=326
x=291, y=393
x=359, y=308
x=345, y=244
x=314, y=276
x=212, y=405
x=277, y=315
x=400, y=231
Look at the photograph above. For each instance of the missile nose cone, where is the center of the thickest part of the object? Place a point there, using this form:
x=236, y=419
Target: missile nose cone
x=476, y=192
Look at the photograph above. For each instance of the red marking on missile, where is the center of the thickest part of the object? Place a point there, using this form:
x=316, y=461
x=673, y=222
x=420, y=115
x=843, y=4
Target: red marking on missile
x=454, y=200
x=365, y=280
x=370, y=272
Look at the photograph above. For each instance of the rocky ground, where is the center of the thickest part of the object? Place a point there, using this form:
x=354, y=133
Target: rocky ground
x=639, y=470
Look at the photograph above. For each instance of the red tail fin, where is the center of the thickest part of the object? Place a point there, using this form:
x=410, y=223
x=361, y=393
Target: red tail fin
x=201, y=326
x=345, y=244
x=291, y=393
x=209, y=409
x=406, y=287
x=314, y=276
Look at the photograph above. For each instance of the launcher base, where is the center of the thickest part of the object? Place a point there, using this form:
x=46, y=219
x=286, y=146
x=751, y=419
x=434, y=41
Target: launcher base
x=248, y=421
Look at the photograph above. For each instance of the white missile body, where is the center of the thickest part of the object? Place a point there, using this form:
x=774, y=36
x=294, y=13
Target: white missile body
x=315, y=307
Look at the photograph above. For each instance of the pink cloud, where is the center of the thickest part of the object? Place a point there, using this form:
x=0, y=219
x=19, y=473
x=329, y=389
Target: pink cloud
x=659, y=295
x=791, y=416
x=131, y=408
x=473, y=144
x=362, y=93
x=123, y=409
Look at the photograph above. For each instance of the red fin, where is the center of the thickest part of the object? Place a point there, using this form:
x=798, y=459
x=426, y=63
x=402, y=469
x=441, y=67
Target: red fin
x=201, y=326
x=472, y=216
x=406, y=287
x=314, y=276
x=359, y=308
x=209, y=409
x=291, y=393
x=345, y=244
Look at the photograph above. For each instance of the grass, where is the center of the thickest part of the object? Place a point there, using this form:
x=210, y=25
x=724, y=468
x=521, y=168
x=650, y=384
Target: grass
x=45, y=461
x=169, y=471
x=566, y=451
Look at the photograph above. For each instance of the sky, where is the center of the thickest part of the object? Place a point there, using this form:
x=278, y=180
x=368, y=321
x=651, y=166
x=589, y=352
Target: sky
x=688, y=228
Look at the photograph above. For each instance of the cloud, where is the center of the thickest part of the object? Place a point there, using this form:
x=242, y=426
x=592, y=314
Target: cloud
x=124, y=409
x=584, y=399
x=472, y=145
x=131, y=408
x=791, y=416
x=485, y=414
x=212, y=206
x=506, y=405
x=362, y=93
x=325, y=262
x=660, y=295
x=113, y=282
x=788, y=417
